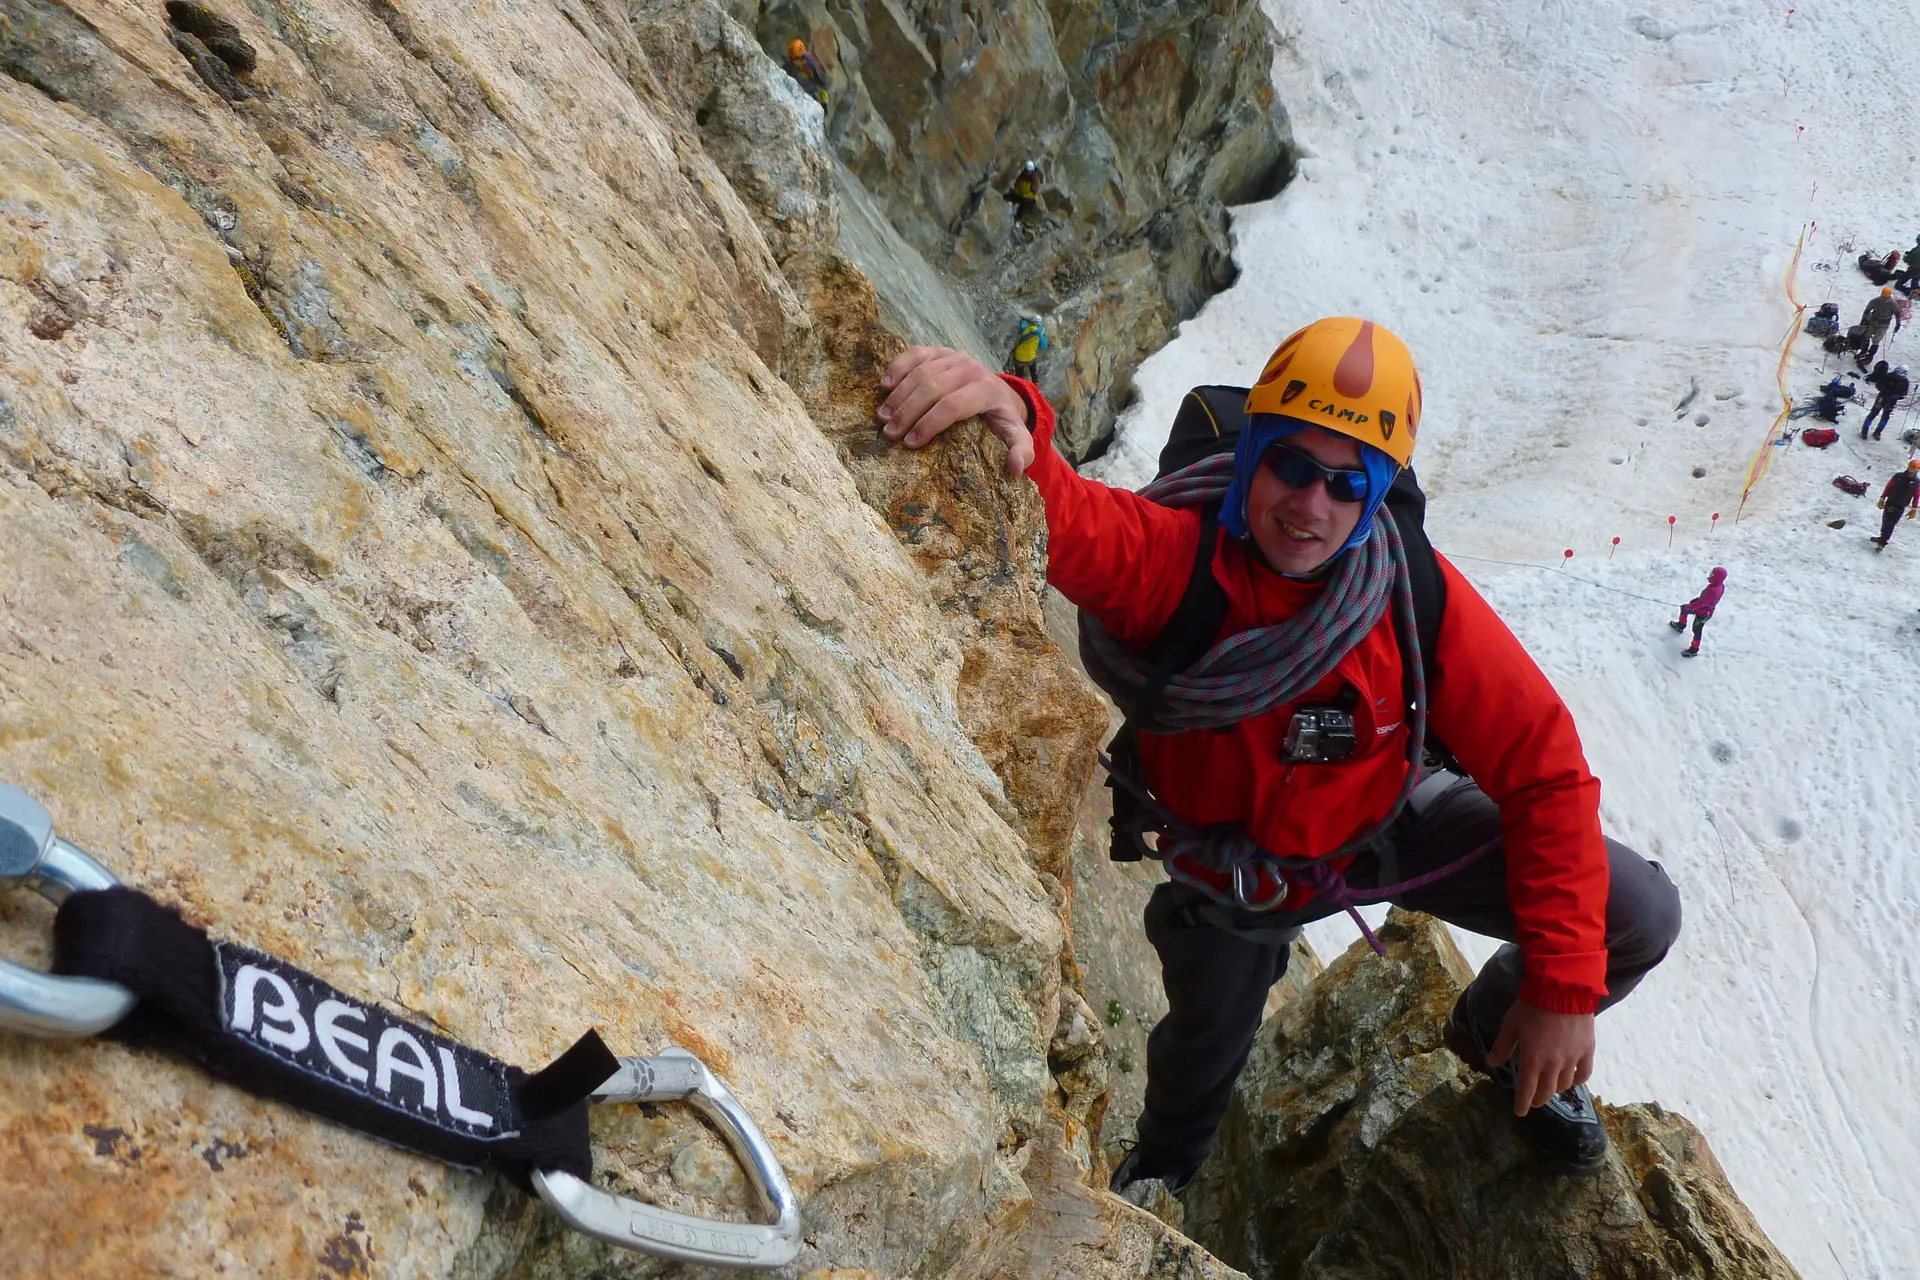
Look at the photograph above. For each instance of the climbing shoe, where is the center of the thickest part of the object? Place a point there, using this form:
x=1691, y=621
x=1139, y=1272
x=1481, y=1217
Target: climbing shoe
x=1567, y=1130
x=1677, y=626
x=1133, y=1180
x=1689, y=653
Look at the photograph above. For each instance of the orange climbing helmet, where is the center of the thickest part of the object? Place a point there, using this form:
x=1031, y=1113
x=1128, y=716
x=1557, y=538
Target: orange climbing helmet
x=1346, y=375
x=1914, y=465
x=798, y=49
x=1887, y=292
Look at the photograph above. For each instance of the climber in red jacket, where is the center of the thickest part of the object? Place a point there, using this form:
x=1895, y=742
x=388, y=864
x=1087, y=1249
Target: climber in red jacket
x=1331, y=422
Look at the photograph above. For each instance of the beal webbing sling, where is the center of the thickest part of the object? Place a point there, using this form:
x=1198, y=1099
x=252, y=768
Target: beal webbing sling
x=132, y=970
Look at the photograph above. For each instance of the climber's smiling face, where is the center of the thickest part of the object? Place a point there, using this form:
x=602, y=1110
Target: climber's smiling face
x=1298, y=529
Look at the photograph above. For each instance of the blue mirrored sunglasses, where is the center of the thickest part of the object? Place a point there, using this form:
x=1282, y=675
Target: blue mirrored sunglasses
x=1299, y=470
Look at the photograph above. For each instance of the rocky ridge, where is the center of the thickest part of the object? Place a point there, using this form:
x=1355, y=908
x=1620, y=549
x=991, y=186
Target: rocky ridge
x=1359, y=1147
x=1148, y=119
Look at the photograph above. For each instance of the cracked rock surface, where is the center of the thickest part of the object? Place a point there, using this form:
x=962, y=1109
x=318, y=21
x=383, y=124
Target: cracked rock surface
x=1358, y=1146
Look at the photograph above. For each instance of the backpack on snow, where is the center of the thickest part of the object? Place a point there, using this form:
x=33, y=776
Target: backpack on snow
x=1819, y=437
x=1209, y=422
x=1876, y=268
x=1825, y=322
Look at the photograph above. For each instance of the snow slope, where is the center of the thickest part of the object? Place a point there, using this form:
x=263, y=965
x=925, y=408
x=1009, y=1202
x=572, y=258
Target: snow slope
x=1577, y=215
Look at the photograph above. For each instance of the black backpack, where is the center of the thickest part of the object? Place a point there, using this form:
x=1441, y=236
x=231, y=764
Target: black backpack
x=1899, y=494
x=1209, y=422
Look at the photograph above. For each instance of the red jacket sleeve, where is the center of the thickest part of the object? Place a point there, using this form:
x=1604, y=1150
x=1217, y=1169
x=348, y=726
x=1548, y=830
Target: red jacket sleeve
x=1118, y=556
x=1501, y=718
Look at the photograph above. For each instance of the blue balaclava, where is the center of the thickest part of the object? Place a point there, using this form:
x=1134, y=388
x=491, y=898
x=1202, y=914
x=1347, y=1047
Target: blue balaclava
x=1261, y=431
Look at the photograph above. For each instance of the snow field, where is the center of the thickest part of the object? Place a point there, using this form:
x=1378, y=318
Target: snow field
x=1578, y=216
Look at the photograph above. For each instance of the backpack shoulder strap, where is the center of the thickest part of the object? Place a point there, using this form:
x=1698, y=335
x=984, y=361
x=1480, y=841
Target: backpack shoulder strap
x=1429, y=595
x=1184, y=640
x=1429, y=588
x=1409, y=507
x=1191, y=628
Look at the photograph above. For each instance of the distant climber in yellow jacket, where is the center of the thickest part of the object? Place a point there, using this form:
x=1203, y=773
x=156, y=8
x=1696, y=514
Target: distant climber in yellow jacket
x=1025, y=360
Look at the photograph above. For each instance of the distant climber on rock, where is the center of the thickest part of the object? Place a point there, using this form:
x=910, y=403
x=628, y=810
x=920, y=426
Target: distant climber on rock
x=1288, y=766
x=1890, y=387
x=1878, y=314
x=1024, y=361
x=1700, y=609
x=807, y=71
x=1901, y=494
x=1024, y=195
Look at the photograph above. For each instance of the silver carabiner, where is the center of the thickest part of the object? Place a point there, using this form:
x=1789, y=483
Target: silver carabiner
x=1240, y=891
x=45, y=1004
x=32, y=857
x=631, y=1224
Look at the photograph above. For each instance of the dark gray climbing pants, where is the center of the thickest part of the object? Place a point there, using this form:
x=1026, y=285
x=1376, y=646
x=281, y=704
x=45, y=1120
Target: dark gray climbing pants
x=1217, y=964
x=1889, y=521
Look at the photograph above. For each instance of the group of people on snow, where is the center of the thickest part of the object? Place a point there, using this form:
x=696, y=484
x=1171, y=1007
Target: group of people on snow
x=1883, y=316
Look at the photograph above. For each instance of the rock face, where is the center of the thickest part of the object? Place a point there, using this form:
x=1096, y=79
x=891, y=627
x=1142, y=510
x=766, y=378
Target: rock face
x=1148, y=119
x=446, y=545
x=1359, y=1147
x=1074, y=1233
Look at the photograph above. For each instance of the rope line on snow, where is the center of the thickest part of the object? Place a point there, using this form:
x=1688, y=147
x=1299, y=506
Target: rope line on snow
x=1758, y=466
x=1547, y=568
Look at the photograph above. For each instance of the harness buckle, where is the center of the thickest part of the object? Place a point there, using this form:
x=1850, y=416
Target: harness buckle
x=677, y=1075
x=33, y=857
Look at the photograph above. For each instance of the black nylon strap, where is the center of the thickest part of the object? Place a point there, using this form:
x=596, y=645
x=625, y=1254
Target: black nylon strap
x=1188, y=634
x=280, y=1033
x=1192, y=627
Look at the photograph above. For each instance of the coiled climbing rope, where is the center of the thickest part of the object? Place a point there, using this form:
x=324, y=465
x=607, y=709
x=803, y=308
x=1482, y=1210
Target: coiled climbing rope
x=1252, y=672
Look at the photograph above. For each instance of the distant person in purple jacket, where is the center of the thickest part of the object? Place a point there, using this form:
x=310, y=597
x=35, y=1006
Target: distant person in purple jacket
x=1700, y=608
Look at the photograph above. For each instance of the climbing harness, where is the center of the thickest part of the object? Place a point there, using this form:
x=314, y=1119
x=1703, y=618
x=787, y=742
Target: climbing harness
x=130, y=969
x=1248, y=674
